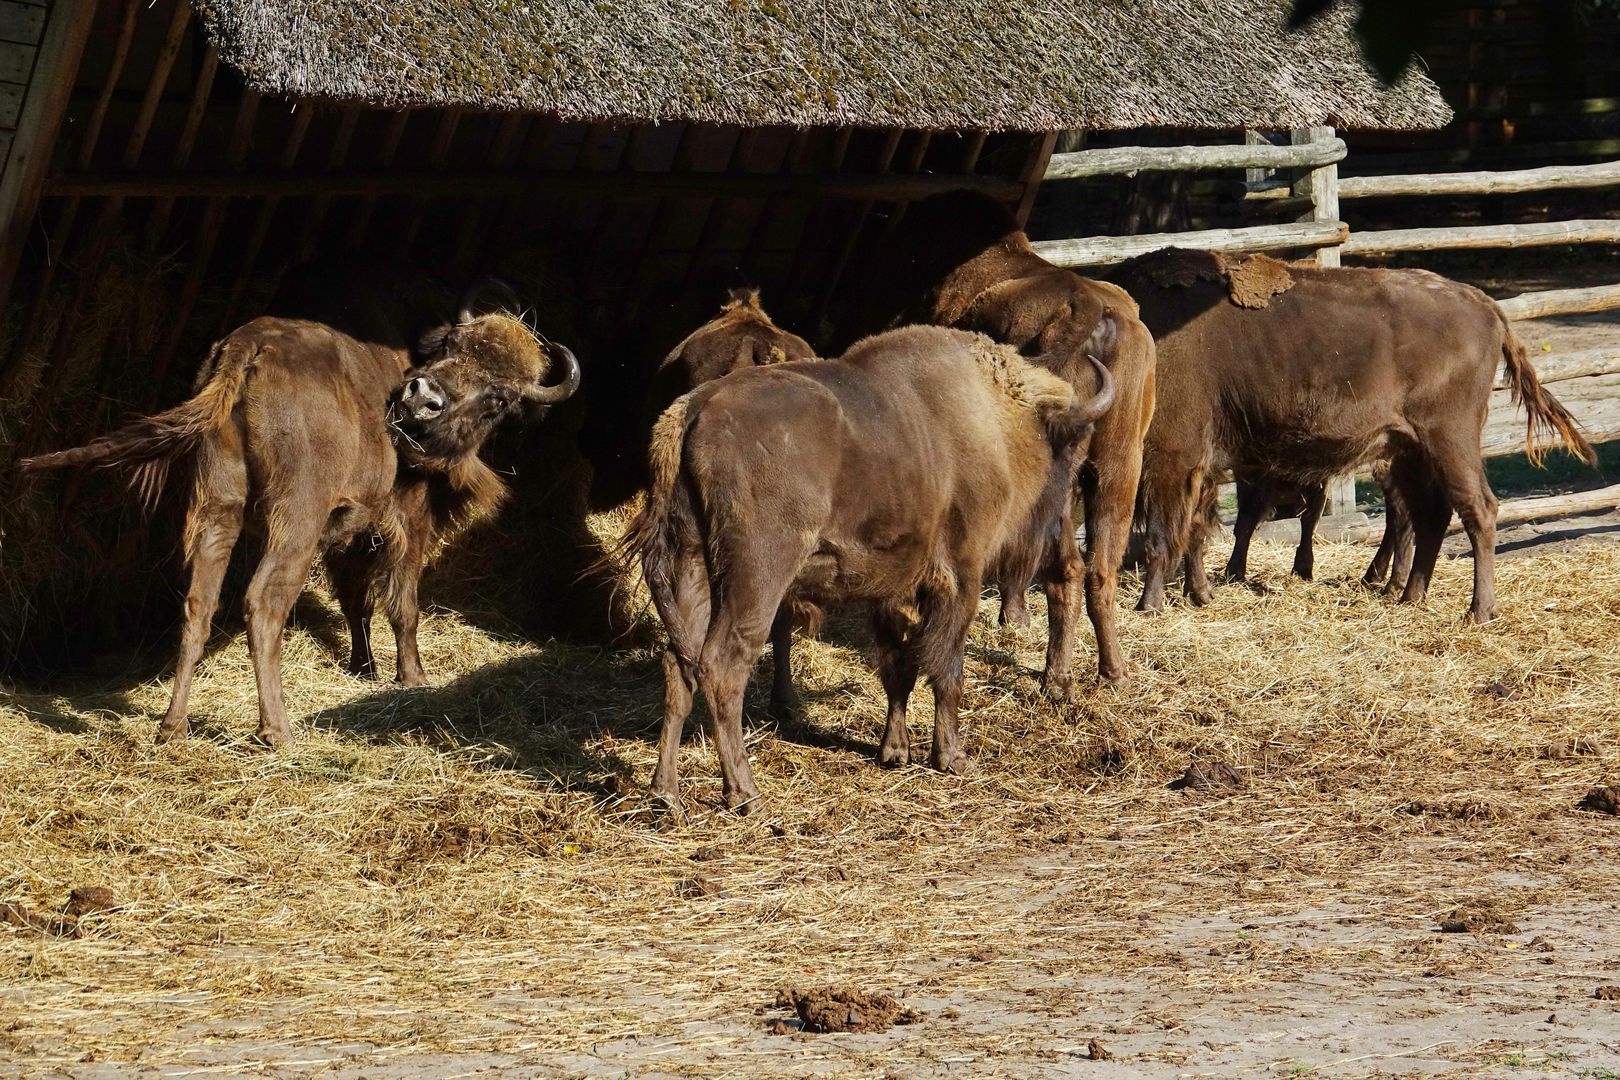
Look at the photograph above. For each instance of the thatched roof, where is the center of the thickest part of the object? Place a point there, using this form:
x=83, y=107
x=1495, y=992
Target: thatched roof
x=936, y=64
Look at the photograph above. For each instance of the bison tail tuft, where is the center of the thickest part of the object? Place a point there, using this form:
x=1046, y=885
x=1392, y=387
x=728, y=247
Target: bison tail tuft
x=651, y=538
x=148, y=446
x=1546, y=415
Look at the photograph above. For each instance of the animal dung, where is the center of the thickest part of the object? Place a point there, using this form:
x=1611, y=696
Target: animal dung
x=1603, y=799
x=844, y=1008
x=1477, y=917
x=1206, y=774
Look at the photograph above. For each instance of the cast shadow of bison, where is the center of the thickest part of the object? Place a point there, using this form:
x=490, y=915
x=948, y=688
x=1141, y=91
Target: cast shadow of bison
x=550, y=713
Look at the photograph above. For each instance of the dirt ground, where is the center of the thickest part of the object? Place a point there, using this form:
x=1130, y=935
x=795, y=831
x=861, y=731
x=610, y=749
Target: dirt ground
x=1058, y=913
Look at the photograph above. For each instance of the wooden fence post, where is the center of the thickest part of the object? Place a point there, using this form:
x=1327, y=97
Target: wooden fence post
x=1321, y=186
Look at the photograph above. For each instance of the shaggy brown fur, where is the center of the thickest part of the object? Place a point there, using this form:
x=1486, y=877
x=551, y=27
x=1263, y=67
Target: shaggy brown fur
x=898, y=475
x=960, y=260
x=289, y=437
x=1344, y=367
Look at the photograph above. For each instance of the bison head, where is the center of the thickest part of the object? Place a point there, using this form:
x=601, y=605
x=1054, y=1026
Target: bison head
x=471, y=375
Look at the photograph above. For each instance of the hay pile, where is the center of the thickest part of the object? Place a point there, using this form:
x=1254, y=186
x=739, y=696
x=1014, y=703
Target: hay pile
x=474, y=866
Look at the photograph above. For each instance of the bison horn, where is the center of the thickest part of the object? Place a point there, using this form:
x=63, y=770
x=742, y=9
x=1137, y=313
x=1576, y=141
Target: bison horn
x=1093, y=410
x=505, y=299
x=561, y=391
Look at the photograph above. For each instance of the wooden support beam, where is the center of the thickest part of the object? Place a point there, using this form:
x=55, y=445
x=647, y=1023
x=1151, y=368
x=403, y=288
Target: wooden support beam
x=1130, y=160
x=1106, y=250
x=22, y=170
x=1563, y=367
x=1559, y=177
x=1535, y=305
x=850, y=186
x=1040, y=161
x=1595, y=231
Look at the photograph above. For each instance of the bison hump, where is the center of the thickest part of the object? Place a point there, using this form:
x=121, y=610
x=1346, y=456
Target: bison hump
x=1250, y=281
x=1253, y=281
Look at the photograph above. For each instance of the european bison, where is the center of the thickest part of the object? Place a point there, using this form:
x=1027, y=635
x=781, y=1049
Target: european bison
x=960, y=260
x=319, y=441
x=1300, y=373
x=898, y=475
x=741, y=336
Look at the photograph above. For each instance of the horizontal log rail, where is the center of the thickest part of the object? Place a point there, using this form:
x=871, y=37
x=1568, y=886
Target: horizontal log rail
x=1603, y=174
x=1601, y=231
x=1107, y=250
x=1536, y=305
x=1130, y=160
x=1563, y=367
x=854, y=186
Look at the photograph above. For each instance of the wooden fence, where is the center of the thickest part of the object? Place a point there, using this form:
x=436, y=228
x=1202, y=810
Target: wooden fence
x=1313, y=191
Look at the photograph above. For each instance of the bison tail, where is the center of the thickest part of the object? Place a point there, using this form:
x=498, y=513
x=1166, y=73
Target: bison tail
x=651, y=538
x=147, y=447
x=1547, y=416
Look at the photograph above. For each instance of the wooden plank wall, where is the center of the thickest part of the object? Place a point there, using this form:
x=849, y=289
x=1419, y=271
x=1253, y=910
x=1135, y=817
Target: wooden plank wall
x=22, y=26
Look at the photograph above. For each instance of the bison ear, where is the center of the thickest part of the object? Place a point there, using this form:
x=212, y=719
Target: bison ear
x=489, y=293
x=432, y=343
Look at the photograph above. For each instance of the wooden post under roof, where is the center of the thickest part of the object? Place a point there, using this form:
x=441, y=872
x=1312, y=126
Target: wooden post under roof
x=56, y=66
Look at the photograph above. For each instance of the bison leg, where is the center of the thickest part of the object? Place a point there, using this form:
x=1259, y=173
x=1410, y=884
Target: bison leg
x=1429, y=511
x=1254, y=503
x=1108, y=488
x=1399, y=521
x=211, y=533
x=1014, y=609
x=1305, y=554
x=276, y=583
x=1195, y=582
x=1462, y=472
x=897, y=670
x=682, y=600
x=785, y=704
x=404, y=613
x=940, y=640
x=729, y=652
x=1061, y=577
x=1171, y=490
x=352, y=570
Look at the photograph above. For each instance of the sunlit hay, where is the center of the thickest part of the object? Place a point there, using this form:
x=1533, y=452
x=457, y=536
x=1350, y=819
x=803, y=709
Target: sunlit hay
x=474, y=866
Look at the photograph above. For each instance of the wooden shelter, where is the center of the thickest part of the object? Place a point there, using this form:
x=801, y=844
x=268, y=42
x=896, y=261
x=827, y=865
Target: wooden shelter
x=165, y=162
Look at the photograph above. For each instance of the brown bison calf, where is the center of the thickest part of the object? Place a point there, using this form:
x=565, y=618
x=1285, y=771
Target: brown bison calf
x=960, y=260
x=1300, y=374
x=898, y=475
x=320, y=442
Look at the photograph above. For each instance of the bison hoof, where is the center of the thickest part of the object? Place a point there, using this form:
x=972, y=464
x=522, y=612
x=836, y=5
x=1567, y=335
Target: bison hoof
x=893, y=757
x=955, y=763
x=1058, y=690
x=1304, y=573
x=272, y=738
x=1150, y=607
x=745, y=803
x=364, y=671
x=1481, y=616
x=787, y=710
x=667, y=806
x=168, y=733
x=413, y=681
x=1017, y=618
x=1200, y=597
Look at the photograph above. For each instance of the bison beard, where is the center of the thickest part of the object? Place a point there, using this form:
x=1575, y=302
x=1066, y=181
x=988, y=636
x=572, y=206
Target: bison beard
x=286, y=439
x=1344, y=366
x=897, y=476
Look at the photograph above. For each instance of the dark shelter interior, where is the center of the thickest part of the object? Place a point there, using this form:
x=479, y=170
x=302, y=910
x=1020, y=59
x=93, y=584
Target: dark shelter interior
x=172, y=163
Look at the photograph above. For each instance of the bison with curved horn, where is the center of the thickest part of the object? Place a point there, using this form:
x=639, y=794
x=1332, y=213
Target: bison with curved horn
x=319, y=441
x=899, y=475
